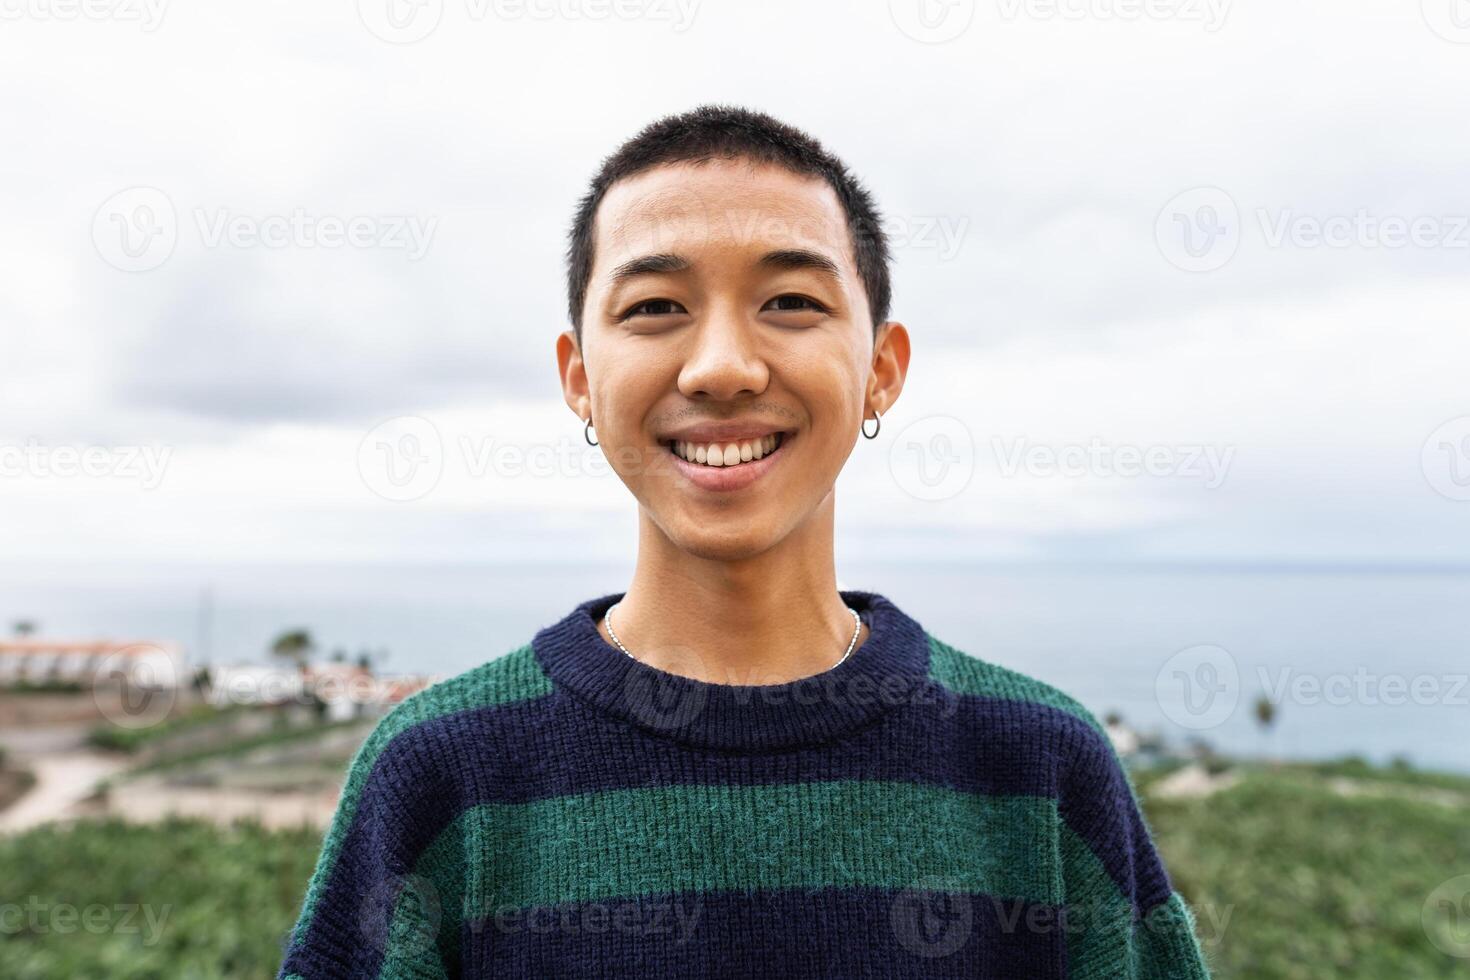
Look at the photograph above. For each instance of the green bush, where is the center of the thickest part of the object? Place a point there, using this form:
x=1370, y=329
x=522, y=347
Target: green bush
x=178, y=899
x=119, y=739
x=45, y=687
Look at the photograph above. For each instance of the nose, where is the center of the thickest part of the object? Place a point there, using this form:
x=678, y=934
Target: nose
x=725, y=361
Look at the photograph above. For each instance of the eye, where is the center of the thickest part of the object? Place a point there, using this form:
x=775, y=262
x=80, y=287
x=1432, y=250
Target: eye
x=652, y=307
x=794, y=303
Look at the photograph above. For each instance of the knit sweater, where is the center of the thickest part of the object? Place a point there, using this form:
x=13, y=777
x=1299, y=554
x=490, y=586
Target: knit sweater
x=568, y=811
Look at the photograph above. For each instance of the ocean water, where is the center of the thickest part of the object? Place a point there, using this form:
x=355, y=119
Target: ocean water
x=1372, y=662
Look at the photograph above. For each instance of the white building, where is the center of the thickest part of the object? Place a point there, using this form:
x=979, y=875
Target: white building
x=159, y=666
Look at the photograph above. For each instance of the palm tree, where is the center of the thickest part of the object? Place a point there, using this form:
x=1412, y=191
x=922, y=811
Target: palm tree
x=1265, y=713
x=24, y=627
x=295, y=646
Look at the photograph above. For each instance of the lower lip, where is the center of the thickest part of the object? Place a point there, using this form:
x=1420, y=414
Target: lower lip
x=724, y=479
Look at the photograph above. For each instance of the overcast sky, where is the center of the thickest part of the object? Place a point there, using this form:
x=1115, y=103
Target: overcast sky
x=1186, y=279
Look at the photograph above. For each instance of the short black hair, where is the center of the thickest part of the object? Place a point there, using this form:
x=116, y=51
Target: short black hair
x=712, y=132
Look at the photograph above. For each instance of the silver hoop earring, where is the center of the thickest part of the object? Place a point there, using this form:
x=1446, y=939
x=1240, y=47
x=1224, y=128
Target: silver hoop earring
x=877, y=424
x=587, y=432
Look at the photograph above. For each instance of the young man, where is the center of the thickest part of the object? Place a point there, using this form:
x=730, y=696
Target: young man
x=732, y=768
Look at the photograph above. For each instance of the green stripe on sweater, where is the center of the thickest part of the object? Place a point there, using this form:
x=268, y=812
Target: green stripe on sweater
x=514, y=677
x=1104, y=939
x=961, y=673
x=624, y=844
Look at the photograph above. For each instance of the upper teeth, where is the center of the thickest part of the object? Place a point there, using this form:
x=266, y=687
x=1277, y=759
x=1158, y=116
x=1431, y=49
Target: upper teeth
x=726, y=453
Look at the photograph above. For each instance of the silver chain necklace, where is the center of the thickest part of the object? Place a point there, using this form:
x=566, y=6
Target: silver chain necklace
x=857, y=626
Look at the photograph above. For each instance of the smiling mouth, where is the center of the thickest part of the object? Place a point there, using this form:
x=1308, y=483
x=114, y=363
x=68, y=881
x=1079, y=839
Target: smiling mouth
x=719, y=455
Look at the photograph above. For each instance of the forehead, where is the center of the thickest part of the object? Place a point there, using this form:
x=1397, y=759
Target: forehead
x=725, y=208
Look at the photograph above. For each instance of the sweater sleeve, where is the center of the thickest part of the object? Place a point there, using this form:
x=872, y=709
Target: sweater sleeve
x=1123, y=918
x=382, y=902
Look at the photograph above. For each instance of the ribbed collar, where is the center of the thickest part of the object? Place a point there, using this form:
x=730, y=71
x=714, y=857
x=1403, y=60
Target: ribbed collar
x=887, y=670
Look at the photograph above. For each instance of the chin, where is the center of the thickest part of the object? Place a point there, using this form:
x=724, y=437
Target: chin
x=736, y=542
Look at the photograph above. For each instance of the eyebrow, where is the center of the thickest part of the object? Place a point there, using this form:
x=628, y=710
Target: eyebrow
x=784, y=258
x=649, y=264
x=801, y=258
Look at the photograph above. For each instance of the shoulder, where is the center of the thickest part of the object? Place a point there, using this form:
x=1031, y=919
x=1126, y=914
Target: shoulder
x=1027, y=718
x=965, y=675
x=426, y=715
x=1024, y=709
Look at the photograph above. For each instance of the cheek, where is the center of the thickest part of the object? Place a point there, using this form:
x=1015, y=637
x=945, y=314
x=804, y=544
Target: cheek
x=621, y=394
x=831, y=390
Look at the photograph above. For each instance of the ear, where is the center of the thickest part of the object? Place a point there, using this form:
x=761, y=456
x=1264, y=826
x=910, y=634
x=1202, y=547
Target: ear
x=890, y=366
x=573, y=372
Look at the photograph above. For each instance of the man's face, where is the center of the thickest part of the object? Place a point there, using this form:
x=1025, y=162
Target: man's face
x=724, y=320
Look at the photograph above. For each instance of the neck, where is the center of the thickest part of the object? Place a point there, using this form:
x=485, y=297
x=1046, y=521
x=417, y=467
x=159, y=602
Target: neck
x=771, y=618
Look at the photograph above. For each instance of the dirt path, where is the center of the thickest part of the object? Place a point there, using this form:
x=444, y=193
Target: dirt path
x=62, y=781
x=1399, y=791
x=147, y=801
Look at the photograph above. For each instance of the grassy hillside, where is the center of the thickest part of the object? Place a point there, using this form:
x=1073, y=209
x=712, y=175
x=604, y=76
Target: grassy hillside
x=1322, y=875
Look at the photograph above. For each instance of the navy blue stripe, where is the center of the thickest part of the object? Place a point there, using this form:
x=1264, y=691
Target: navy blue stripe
x=824, y=932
